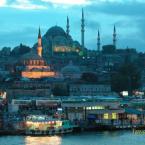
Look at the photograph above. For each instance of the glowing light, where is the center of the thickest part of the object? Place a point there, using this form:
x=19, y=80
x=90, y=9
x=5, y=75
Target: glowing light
x=106, y=116
x=89, y=108
x=95, y=108
x=42, y=140
x=114, y=116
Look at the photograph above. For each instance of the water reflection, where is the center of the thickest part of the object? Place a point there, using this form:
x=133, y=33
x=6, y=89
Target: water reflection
x=53, y=140
x=86, y=138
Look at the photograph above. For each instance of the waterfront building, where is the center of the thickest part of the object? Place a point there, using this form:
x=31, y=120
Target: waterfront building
x=34, y=105
x=102, y=111
x=98, y=108
x=90, y=110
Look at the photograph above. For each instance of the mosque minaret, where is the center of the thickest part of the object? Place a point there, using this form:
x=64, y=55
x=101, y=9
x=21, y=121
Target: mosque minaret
x=114, y=36
x=98, y=42
x=83, y=31
x=67, y=26
x=39, y=47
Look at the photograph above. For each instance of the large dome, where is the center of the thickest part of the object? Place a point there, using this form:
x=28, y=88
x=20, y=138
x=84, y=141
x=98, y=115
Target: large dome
x=57, y=39
x=70, y=69
x=55, y=31
x=31, y=56
x=32, y=59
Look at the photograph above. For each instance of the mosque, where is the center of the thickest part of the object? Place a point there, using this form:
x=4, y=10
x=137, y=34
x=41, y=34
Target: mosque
x=32, y=64
x=56, y=41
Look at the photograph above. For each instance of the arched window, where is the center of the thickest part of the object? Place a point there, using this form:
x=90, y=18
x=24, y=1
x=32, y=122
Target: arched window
x=33, y=62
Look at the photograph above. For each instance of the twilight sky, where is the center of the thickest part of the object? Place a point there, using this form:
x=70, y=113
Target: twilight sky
x=20, y=19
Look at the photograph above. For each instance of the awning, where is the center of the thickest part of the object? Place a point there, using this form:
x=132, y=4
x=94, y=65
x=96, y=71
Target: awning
x=133, y=111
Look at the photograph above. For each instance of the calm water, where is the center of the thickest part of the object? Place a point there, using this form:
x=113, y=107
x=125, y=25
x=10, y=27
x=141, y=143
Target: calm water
x=95, y=138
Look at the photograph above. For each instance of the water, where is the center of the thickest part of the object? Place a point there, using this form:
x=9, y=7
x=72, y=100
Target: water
x=89, y=138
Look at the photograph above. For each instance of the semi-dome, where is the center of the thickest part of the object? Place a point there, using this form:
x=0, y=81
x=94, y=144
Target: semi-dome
x=55, y=31
x=31, y=56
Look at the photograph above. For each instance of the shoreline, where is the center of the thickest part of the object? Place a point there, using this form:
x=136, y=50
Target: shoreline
x=76, y=130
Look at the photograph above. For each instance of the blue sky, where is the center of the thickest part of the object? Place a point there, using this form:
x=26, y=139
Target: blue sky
x=20, y=19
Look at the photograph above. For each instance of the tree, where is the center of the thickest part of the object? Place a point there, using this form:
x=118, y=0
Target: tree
x=20, y=50
x=89, y=77
x=60, y=90
x=127, y=78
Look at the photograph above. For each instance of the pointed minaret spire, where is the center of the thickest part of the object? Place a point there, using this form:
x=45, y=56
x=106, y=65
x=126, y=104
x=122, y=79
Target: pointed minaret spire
x=114, y=36
x=82, y=30
x=39, y=47
x=67, y=26
x=98, y=42
x=39, y=33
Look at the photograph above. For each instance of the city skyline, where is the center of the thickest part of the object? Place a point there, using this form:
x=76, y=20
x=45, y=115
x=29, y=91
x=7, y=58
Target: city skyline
x=20, y=21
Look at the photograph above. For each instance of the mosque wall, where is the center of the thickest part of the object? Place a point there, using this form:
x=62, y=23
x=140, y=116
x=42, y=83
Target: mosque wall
x=36, y=74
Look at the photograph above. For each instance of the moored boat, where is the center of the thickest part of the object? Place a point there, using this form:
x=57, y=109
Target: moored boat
x=43, y=125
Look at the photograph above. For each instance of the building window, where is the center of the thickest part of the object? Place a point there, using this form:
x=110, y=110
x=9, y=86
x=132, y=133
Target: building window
x=100, y=107
x=106, y=116
x=89, y=108
x=114, y=116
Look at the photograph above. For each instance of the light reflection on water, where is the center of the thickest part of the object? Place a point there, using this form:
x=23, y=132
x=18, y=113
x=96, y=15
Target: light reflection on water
x=89, y=138
x=53, y=140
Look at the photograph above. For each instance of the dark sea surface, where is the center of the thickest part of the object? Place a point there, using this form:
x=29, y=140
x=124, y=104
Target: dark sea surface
x=87, y=138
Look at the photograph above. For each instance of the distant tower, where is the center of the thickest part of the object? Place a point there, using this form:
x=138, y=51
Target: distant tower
x=67, y=26
x=82, y=30
x=98, y=42
x=39, y=47
x=114, y=36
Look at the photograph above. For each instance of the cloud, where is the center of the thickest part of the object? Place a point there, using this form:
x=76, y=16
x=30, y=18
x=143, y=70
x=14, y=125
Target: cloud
x=2, y=3
x=123, y=7
x=44, y=4
x=22, y=4
x=68, y=2
x=27, y=35
x=26, y=4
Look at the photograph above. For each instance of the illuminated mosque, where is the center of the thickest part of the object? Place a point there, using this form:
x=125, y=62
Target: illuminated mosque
x=56, y=41
x=57, y=48
x=32, y=64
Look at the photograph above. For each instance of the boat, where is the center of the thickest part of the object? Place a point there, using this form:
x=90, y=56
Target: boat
x=37, y=125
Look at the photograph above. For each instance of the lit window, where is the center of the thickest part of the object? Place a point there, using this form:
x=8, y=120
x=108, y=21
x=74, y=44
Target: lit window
x=99, y=107
x=106, y=116
x=114, y=116
x=89, y=108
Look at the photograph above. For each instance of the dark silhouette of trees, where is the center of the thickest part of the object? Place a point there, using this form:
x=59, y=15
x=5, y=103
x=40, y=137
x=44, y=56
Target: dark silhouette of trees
x=20, y=50
x=89, y=77
x=60, y=90
x=127, y=78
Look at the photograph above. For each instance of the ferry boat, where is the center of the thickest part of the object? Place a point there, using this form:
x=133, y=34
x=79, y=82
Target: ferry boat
x=43, y=125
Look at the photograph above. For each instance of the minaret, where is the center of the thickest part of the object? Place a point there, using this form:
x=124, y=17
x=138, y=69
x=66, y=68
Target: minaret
x=82, y=30
x=114, y=36
x=67, y=26
x=39, y=47
x=98, y=42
